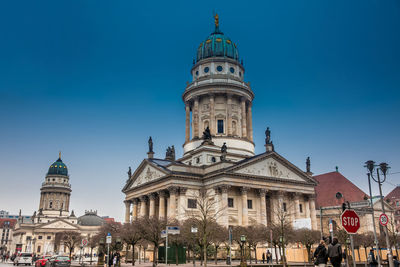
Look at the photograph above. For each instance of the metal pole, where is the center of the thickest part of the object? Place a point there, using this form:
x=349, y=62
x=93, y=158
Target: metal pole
x=166, y=246
x=352, y=250
x=388, y=248
x=108, y=254
x=373, y=221
x=230, y=246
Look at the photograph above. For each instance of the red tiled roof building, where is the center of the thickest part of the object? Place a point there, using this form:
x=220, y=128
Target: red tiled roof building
x=393, y=198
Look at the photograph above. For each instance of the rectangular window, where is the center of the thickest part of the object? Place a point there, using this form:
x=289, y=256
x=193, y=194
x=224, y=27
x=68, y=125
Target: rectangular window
x=38, y=249
x=301, y=208
x=192, y=204
x=220, y=126
x=284, y=207
x=249, y=204
x=230, y=202
x=40, y=237
x=48, y=237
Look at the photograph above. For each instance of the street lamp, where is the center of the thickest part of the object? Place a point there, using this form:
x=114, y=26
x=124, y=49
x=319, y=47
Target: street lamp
x=194, y=230
x=380, y=170
x=243, y=263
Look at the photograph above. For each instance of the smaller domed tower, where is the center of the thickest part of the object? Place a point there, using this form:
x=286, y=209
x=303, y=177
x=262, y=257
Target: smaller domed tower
x=55, y=191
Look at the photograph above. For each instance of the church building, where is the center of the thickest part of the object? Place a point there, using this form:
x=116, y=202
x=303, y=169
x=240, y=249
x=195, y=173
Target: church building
x=42, y=234
x=218, y=155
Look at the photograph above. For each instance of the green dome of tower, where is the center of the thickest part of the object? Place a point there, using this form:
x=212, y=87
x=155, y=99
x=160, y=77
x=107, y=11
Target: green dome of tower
x=217, y=45
x=58, y=168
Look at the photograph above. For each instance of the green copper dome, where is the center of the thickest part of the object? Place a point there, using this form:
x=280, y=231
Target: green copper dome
x=217, y=45
x=58, y=168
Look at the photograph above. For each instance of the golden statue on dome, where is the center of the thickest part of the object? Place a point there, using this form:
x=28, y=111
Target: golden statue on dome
x=216, y=20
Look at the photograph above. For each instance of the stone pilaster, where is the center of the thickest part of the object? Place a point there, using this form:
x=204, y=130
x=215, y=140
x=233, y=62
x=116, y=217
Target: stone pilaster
x=245, y=211
x=263, y=207
x=212, y=115
x=187, y=123
x=182, y=203
x=152, y=208
x=127, y=211
x=296, y=205
x=307, y=206
x=161, y=207
x=172, y=202
x=224, y=208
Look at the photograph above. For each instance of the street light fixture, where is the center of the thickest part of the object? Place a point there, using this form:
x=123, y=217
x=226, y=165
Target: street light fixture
x=242, y=261
x=381, y=169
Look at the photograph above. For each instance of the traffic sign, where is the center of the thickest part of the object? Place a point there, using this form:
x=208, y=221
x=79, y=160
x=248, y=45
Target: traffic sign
x=108, y=239
x=383, y=219
x=350, y=221
x=173, y=230
x=84, y=242
x=163, y=234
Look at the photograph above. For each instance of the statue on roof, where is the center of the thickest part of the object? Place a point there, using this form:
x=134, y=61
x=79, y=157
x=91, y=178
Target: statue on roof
x=207, y=134
x=173, y=152
x=129, y=172
x=170, y=153
x=308, y=164
x=223, y=152
x=268, y=136
x=150, y=145
x=216, y=20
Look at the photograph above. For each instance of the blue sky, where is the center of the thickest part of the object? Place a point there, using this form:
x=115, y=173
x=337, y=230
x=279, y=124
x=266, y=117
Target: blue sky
x=94, y=79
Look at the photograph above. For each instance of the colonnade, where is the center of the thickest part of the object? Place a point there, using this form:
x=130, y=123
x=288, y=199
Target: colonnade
x=246, y=130
x=271, y=206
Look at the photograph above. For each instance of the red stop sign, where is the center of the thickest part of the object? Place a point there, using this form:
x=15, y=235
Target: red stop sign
x=350, y=221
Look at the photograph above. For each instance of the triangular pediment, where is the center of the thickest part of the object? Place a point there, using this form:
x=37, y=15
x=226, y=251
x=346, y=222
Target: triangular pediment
x=146, y=173
x=271, y=165
x=59, y=224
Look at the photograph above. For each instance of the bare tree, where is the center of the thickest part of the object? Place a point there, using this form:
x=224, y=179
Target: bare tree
x=151, y=228
x=70, y=239
x=131, y=236
x=308, y=238
x=367, y=240
x=254, y=235
x=93, y=242
x=204, y=217
x=220, y=235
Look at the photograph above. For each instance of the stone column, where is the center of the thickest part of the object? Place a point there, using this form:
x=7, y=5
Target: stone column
x=142, y=206
x=313, y=212
x=296, y=205
x=245, y=212
x=134, y=209
x=218, y=203
x=172, y=202
x=263, y=208
x=182, y=203
x=307, y=206
x=195, y=118
x=152, y=208
x=224, y=209
x=229, y=114
x=187, y=124
x=244, y=119
x=161, y=207
x=127, y=211
x=212, y=115
x=249, y=122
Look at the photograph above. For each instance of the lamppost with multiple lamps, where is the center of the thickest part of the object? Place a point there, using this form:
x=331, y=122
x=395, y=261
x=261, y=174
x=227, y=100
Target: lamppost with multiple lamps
x=381, y=169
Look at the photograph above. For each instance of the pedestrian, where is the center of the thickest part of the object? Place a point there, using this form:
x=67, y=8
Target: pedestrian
x=263, y=257
x=335, y=253
x=396, y=261
x=115, y=261
x=321, y=255
x=371, y=259
x=269, y=256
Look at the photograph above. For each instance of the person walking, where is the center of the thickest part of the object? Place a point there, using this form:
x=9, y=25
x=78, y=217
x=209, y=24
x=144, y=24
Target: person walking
x=335, y=253
x=263, y=258
x=269, y=256
x=321, y=255
x=371, y=259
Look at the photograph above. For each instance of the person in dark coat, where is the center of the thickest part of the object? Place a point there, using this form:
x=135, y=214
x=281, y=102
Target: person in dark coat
x=321, y=255
x=335, y=253
x=263, y=257
x=371, y=259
